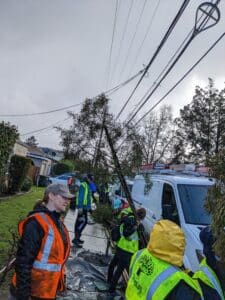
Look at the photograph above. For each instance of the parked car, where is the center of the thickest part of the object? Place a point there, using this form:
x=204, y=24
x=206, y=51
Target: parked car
x=66, y=179
x=179, y=198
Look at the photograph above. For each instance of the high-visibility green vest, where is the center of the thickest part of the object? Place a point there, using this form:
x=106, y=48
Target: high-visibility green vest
x=86, y=190
x=208, y=276
x=129, y=244
x=125, y=212
x=153, y=279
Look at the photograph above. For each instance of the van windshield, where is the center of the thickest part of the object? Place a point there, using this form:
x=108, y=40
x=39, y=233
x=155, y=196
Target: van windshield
x=192, y=200
x=129, y=188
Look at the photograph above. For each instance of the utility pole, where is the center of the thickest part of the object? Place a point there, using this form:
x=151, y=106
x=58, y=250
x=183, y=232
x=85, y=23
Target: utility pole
x=122, y=181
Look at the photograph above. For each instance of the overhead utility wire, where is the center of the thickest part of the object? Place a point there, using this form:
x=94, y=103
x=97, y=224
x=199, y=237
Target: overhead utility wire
x=196, y=31
x=110, y=91
x=41, y=113
x=177, y=83
x=181, y=79
x=111, y=46
x=132, y=40
x=122, y=39
x=170, y=29
x=167, y=65
x=113, y=90
x=48, y=127
x=146, y=34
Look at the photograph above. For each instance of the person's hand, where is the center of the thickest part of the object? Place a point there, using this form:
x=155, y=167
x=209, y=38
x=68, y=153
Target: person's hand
x=93, y=206
x=80, y=211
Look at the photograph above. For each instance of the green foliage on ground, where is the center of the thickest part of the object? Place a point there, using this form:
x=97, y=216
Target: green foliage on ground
x=215, y=203
x=8, y=136
x=18, y=169
x=103, y=214
x=13, y=209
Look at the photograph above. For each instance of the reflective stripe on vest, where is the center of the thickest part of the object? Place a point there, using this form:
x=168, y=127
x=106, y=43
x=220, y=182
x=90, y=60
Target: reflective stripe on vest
x=85, y=186
x=213, y=280
x=137, y=254
x=43, y=264
x=159, y=280
x=151, y=278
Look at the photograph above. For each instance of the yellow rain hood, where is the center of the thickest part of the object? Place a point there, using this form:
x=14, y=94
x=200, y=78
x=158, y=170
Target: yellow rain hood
x=167, y=242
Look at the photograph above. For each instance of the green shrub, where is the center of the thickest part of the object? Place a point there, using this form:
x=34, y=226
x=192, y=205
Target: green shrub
x=61, y=168
x=18, y=169
x=27, y=184
x=103, y=214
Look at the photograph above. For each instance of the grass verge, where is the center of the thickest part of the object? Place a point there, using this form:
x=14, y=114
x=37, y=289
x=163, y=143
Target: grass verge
x=12, y=210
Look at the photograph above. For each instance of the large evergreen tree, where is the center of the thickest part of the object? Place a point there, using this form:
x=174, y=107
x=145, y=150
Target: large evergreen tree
x=201, y=125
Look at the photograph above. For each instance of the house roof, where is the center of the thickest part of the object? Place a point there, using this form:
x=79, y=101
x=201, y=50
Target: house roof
x=22, y=143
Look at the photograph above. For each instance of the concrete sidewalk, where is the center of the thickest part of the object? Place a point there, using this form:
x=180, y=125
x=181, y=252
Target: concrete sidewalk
x=93, y=235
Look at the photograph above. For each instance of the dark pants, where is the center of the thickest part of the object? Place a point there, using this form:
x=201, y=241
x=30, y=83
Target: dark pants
x=80, y=224
x=120, y=262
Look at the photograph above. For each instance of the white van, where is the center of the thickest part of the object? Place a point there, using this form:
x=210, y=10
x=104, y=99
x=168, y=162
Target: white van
x=118, y=187
x=179, y=198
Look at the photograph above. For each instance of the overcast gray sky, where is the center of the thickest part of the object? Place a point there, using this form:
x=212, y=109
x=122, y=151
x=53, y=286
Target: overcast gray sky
x=55, y=53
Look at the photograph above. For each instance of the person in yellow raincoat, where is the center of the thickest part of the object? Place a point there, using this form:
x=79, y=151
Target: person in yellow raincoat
x=155, y=272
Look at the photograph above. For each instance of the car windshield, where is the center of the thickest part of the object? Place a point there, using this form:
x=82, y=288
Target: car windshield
x=192, y=200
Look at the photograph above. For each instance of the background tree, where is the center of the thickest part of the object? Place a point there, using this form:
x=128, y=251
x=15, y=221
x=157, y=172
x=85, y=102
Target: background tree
x=156, y=136
x=8, y=137
x=31, y=141
x=82, y=143
x=85, y=140
x=201, y=125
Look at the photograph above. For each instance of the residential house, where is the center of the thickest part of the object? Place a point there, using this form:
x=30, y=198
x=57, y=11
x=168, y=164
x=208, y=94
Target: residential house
x=41, y=164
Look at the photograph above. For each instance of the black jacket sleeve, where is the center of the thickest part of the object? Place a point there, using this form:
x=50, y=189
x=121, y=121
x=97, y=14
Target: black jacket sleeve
x=184, y=292
x=28, y=249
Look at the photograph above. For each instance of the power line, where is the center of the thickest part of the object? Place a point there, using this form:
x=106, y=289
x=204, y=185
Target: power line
x=146, y=34
x=177, y=83
x=110, y=91
x=41, y=113
x=113, y=90
x=111, y=46
x=196, y=31
x=181, y=79
x=167, y=65
x=123, y=35
x=45, y=128
x=170, y=29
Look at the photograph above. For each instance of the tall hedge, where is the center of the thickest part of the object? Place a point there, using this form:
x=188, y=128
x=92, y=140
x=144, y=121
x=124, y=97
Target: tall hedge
x=18, y=169
x=8, y=137
x=63, y=167
x=215, y=203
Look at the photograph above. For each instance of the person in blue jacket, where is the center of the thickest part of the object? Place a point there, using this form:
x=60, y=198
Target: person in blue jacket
x=83, y=205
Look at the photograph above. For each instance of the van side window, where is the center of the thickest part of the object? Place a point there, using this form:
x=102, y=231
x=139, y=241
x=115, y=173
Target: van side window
x=169, y=208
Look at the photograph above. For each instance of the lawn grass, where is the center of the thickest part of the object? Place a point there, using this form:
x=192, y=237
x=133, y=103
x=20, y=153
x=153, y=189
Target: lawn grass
x=12, y=210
